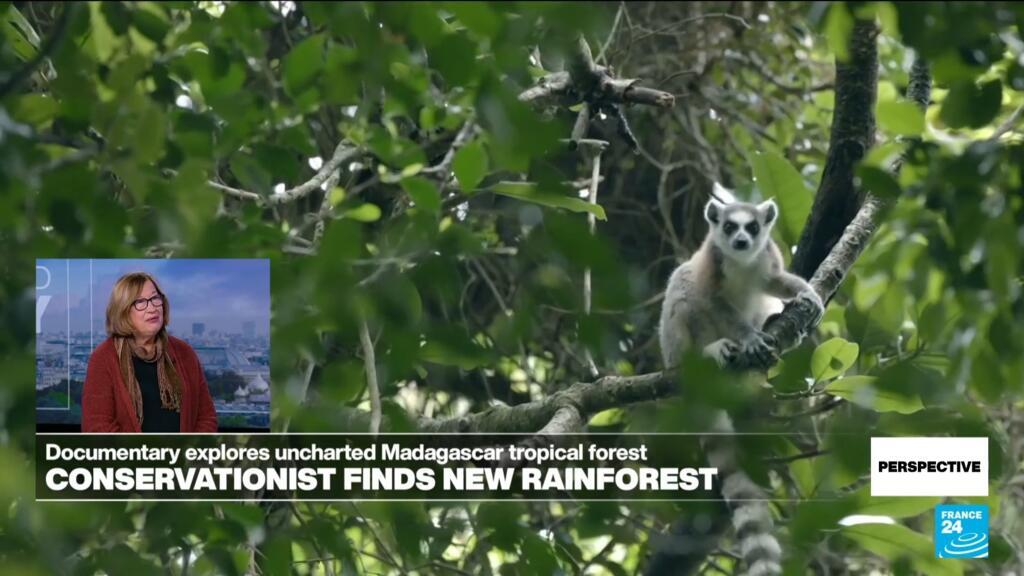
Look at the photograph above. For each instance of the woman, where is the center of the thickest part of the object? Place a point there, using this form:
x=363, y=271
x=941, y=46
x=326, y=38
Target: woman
x=141, y=379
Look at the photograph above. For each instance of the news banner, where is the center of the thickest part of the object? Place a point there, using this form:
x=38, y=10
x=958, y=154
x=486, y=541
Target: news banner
x=453, y=467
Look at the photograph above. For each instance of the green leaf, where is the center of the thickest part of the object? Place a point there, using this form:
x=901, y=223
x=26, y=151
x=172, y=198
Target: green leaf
x=303, y=64
x=34, y=109
x=529, y=192
x=969, y=105
x=802, y=471
x=861, y=391
x=879, y=182
x=455, y=58
x=104, y=42
x=477, y=16
x=150, y=22
x=608, y=417
x=343, y=381
x=778, y=179
x=899, y=506
x=423, y=193
x=470, y=165
x=900, y=117
x=411, y=170
x=247, y=516
x=500, y=522
x=449, y=346
x=538, y=555
x=838, y=29
x=19, y=34
x=832, y=358
x=277, y=553
x=149, y=134
x=251, y=173
x=894, y=542
x=337, y=195
x=364, y=213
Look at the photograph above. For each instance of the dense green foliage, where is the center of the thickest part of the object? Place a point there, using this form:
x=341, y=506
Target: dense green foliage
x=169, y=130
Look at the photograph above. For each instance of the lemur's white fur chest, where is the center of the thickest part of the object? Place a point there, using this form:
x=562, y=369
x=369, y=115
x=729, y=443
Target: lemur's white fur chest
x=743, y=286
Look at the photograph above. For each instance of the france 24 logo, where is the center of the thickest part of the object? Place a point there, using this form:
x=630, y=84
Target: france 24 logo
x=961, y=531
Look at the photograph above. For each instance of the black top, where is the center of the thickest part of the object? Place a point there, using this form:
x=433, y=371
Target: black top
x=155, y=418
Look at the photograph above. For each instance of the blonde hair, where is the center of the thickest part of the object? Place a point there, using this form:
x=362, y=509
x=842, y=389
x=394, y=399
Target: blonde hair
x=126, y=290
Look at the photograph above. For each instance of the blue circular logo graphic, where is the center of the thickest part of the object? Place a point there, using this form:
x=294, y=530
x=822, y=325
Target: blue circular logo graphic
x=968, y=545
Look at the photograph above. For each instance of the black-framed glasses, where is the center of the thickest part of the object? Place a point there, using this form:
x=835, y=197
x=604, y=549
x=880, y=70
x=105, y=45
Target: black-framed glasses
x=143, y=303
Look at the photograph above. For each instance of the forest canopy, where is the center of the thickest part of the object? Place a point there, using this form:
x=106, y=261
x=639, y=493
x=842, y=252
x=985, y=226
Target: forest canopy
x=471, y=211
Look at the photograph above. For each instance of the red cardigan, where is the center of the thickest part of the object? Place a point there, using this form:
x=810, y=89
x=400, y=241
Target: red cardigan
x=107, y=407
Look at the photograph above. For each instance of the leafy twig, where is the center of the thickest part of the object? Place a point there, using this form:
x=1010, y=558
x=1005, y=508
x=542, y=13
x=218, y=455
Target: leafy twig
x=370, y=362
x=52, y=42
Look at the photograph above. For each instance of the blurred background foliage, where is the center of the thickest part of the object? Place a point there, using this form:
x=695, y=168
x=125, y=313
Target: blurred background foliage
x=181, y=129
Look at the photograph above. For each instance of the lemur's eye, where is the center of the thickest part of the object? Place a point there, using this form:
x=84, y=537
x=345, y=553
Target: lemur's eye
x=753, y=228
x=729, y=227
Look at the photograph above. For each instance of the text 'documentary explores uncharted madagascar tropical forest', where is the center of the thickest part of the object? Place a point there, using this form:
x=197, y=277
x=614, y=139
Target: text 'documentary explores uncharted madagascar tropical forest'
x=511, y=288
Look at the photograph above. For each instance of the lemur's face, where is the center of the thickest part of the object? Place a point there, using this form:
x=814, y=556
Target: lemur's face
x=740, y=229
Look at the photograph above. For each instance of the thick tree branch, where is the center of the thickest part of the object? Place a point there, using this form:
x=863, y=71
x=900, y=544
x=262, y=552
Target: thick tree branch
x=585, y=80
x=548, y=89
x=585, y=398
x=853, y=133
x=801, y=313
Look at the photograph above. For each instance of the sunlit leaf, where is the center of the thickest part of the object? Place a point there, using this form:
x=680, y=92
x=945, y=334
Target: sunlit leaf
x=530, y=193
x=303, y=64
x=832, y=358
x=423, y=193
x=900, y=117
x=778, y=179
x=364, y=213
x=470, y=165
x=894, y=541
x=860, y=391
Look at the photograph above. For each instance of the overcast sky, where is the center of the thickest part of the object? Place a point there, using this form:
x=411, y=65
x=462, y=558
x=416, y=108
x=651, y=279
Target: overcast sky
x=222, y=294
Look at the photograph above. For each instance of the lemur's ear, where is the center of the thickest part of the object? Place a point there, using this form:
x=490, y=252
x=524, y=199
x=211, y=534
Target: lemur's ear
x=713, y=211
x=768, y=210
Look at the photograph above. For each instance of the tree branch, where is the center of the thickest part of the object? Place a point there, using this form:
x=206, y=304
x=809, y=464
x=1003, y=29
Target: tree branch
x=584, y=398
x=444, y=168
x=592, y=224
x=591, y=83
x=371, y=376
x=342, y=153
x=853, y=133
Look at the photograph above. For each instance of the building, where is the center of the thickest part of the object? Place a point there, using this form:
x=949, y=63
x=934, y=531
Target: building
x=248, y=329
x=198, y=328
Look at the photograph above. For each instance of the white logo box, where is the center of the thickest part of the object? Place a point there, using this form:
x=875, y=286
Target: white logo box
x=890, y=483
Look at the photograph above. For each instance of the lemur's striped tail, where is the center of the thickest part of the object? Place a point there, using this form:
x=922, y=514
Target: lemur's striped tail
x=751, y=515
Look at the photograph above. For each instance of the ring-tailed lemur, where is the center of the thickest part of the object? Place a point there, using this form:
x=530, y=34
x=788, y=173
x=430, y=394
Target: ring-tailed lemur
x=717, y=302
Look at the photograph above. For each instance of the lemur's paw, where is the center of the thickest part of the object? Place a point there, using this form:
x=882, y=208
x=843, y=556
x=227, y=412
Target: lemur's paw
x=722, y=351
x=759, y=350
x=814, y=300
